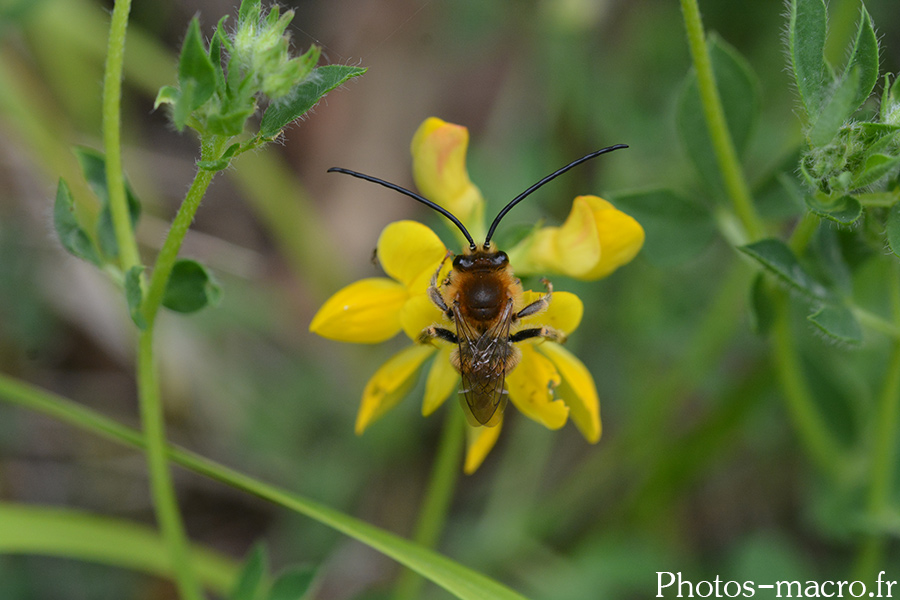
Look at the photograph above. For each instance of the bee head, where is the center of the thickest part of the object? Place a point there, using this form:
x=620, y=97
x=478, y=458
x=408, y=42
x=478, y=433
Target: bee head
x=480, y=260
x=473, y=258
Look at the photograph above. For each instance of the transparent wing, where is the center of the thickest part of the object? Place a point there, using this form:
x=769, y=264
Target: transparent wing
x=483, y=360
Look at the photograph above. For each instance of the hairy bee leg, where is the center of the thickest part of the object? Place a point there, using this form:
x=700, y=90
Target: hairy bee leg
x=434, y=293
x=429, y=333
x=547, y=333
x=539, y=304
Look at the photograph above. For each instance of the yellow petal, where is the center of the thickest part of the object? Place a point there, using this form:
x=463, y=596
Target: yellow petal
x=442, y=381
x=621, y=238
x=389, y=384
x=409, y=252
x=531, y=386
x=564, y=313
x=420, y=312
x=364, y=312
x=577, y=390
x=479, y=441
x=439, y=169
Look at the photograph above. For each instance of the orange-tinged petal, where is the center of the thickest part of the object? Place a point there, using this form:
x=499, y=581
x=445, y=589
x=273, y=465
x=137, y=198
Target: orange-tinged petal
x=564, y=313
x=621, y=238
x=479, y=441
x=577, y=390
x=409, y=251
x=531, y=386
x=439, y=169
x=442, y=381
x=420, y=312
x=389, y=384
x=364, y=312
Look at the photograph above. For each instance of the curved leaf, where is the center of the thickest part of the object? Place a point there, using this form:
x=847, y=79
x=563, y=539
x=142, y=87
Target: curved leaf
x=304, y=96
x=457, y=579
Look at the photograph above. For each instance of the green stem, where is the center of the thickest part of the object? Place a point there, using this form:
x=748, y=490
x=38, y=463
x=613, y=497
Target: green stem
x=433, y=514
x=161, y=486
x=714, y=114
x=813, y=431
x=455, y=578
x=884, y=446
x=112, y=95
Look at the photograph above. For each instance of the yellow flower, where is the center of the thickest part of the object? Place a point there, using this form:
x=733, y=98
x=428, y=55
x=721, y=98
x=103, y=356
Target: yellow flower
x=549, y=384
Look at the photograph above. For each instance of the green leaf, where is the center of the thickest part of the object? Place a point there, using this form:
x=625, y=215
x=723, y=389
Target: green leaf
x=876, y=167
x=836, y=110
x=893, y=229
x=191, y=287
x=196, y=74
x=249, y=9
x=218, y=45
x=739, y=91
x=864, y=57
x=93, y=166
x=304, y=96
x=71, y=235
x=779, y=260
x=252, y=579
x=842, y=209
x=293, y=584
x=838, y=322
x=806, y=45
x=134, y=295
x=676, y=229
x=168, y=94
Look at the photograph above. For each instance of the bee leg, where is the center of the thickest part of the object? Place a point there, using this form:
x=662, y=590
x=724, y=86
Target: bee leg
x=538, y=305
x=434, y=293
x=429, y=333
x=547, y=333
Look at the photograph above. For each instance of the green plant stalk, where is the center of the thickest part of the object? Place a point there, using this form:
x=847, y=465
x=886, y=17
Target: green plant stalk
x=112, y=96
x=161, y=486
x=814, y=433
x=453, y=577
x=884, y=446
x=68, y=533
x=714, y=114
x=433, y=514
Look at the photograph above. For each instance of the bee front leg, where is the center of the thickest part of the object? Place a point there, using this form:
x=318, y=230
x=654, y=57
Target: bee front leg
x=435, y=294
x=538, y=305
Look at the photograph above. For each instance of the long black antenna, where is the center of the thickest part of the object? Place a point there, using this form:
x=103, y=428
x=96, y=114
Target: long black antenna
x=555, y=174
x=412, y=195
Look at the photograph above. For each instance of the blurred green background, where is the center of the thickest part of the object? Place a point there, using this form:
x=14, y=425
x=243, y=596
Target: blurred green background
x=699, y=469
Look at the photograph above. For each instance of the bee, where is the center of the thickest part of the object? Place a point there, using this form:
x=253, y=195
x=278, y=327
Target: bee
x=479, y=296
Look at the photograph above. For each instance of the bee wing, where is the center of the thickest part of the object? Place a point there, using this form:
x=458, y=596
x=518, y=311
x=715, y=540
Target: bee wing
x=483, y=360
